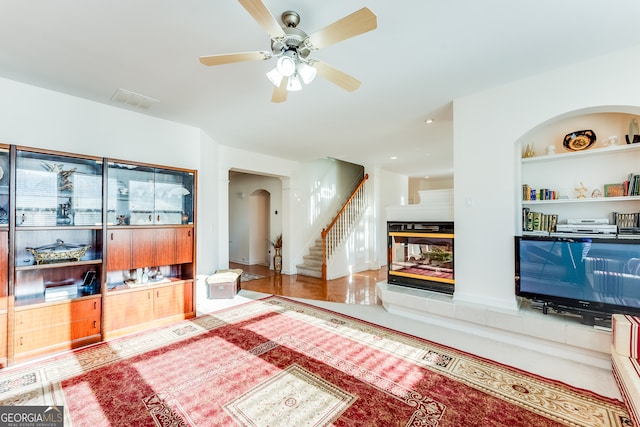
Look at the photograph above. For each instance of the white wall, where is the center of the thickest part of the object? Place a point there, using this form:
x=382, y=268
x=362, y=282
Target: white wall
x=486, y=127
x=389, y=189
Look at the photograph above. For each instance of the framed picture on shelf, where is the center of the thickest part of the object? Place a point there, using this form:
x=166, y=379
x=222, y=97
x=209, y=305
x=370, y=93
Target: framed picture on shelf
x=614, y=190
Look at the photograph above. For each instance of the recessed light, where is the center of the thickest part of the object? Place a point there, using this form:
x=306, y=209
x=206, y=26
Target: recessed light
x=393, y=158
x=428, y=121
x=426, y=177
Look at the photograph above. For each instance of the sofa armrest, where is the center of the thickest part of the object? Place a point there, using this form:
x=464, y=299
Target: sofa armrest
x=624, y=335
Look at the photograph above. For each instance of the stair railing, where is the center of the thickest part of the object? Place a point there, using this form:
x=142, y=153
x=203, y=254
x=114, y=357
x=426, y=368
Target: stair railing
x=339, y=228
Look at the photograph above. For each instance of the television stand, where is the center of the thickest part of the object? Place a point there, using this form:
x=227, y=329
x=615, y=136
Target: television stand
x=587, y=317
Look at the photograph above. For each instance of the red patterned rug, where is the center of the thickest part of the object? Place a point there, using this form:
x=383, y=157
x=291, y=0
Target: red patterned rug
x=277, y=362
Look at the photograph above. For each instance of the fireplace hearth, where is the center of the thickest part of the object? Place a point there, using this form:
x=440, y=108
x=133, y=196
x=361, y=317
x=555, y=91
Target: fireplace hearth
x=420, y=255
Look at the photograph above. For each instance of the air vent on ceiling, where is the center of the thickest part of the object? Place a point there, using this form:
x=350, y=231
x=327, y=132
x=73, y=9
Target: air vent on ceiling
x=133, y=99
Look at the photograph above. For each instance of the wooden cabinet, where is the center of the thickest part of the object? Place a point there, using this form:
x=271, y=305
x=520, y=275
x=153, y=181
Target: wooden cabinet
x=131, y=310
x=71, y=228
x=129, y=248
x=45, y=328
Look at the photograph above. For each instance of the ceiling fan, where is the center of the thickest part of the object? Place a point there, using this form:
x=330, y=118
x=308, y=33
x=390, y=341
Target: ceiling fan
x=292, y=47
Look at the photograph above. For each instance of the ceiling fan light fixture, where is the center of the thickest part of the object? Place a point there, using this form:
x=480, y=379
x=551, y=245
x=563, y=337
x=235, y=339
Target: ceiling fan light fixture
x=294, y=83
x=286, y=64
x=275, y=77
x=307, y=72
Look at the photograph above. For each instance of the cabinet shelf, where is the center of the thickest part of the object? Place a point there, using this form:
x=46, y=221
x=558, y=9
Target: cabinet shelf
x=34, y=302
x=124, y=288
x=57, y=227
x=58, y=265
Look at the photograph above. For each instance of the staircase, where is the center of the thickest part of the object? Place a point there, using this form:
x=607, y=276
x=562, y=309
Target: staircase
x=312, y=264
x=315, y=264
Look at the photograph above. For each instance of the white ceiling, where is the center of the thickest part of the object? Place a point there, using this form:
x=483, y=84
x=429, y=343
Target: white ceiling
x=423, y=55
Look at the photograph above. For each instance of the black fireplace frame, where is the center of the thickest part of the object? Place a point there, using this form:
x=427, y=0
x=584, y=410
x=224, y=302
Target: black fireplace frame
x=413, y=229
x=438, y=230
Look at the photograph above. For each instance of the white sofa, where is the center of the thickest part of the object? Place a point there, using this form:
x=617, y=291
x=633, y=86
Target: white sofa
x=625, y=363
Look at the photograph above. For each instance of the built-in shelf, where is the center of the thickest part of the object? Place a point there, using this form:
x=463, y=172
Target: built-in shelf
x=583, y=153
x=585, y=200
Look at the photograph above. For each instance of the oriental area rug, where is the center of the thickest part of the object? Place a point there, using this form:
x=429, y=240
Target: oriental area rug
x=276, y=362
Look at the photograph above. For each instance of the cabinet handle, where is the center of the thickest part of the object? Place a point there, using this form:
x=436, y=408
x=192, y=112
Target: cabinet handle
x=95, y=305
x=189, y=233
x=157, y=294
x=24, y=218
x=111, y=236
x=158, y=218
x=148, y=295
x=95, y=324
x=20, y=340
x=150, y=218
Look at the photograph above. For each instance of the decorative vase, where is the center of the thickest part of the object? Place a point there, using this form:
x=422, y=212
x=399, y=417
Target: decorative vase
x=277, y=260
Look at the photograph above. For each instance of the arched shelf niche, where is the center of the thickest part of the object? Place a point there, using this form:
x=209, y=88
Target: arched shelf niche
x=557, y=168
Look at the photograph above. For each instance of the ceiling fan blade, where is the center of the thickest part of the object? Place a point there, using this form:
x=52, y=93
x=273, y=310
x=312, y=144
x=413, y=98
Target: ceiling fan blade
x=280, y=93
x=230, y=58
x=263, y=17
x=352, y=25
x=337, y=77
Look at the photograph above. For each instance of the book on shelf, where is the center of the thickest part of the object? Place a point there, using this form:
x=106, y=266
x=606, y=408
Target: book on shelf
x=633, y=185
x=614, y=190
x=538, y=221
x=529, y=193
x=626, y=220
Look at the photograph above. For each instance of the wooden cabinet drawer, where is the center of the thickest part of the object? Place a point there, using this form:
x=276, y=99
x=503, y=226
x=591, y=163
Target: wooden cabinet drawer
x=63, y=313
x=33, y=339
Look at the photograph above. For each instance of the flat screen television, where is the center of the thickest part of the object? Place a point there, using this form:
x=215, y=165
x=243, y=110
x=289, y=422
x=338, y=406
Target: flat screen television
x=590, y=276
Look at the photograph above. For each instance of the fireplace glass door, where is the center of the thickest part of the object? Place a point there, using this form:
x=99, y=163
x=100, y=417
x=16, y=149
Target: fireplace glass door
x=421, y=256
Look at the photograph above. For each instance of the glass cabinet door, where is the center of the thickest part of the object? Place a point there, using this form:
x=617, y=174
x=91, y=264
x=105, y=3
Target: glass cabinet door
x=55, y=190
x=58, y=229
x=142, y=195
x=130, y=194
x=173, y=197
